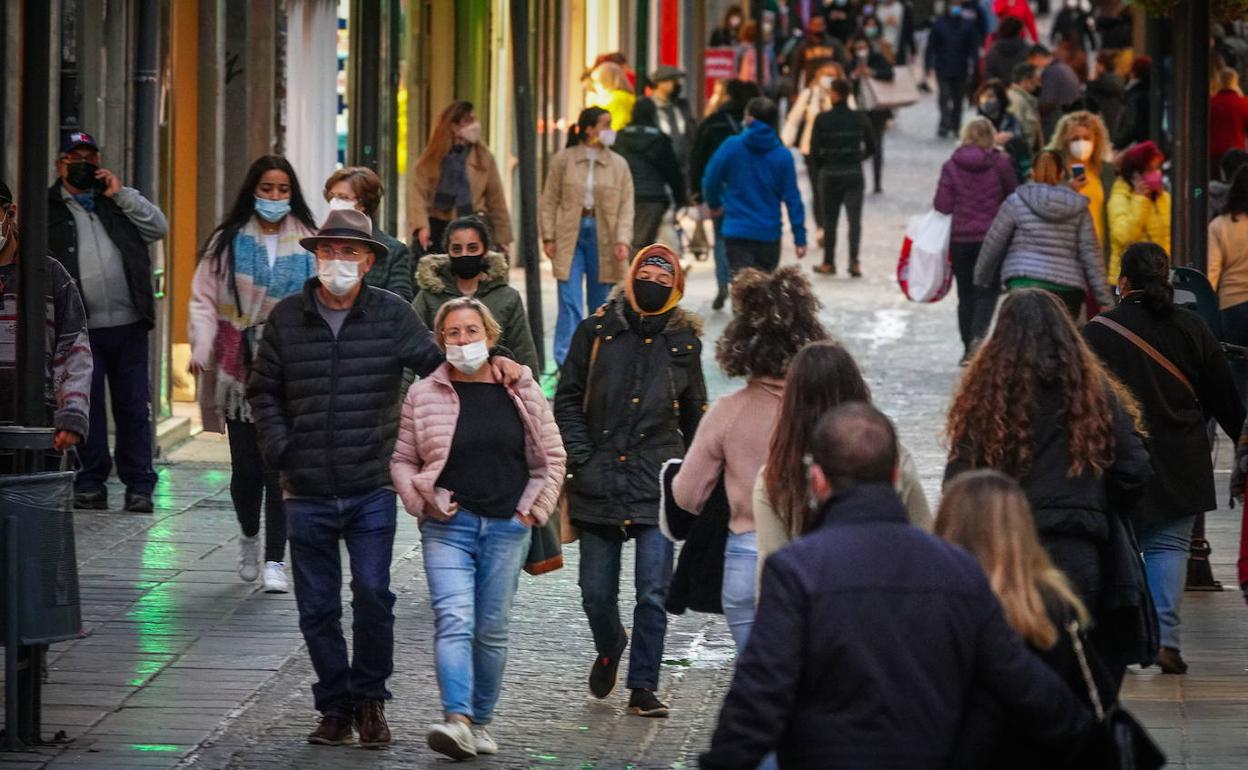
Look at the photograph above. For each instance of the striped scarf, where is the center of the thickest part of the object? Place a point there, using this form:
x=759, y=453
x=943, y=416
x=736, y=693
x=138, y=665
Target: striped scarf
x=244, y=303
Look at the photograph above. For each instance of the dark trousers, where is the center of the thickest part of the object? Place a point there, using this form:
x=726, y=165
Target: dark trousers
x=812, y=171
x=253, y=485
x=841, y=189
x=647, y=218
x=1235, y=328
x=975, y=305
x=366, y=523
x=600, y=596
x=952, y=92
x=119, y=354
x=879, y=119
x=745, y=252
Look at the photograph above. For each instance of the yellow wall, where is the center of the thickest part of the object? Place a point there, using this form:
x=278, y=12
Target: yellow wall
x=184, y=95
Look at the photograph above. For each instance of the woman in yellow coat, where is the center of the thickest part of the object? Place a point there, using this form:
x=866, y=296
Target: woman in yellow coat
x=1139, y=206
x=610, y=91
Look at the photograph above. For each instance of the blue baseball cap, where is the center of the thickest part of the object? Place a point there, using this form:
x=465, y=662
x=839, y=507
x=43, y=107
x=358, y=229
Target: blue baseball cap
x=78, y=139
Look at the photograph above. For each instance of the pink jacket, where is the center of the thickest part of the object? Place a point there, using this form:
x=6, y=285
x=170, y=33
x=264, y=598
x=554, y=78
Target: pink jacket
x=427, y=425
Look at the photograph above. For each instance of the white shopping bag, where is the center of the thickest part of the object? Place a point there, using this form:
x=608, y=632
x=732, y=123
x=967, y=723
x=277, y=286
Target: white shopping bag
x=924, y=270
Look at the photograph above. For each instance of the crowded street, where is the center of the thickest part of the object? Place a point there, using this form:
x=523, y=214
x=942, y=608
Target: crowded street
x=184, y=666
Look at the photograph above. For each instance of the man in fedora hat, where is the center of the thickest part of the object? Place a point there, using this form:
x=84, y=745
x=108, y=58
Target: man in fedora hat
x=325, y=390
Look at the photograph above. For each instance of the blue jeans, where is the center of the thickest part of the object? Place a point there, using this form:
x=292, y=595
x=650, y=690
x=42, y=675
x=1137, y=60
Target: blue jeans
x=721, y=253
x=600, y=594
x=1165, y=548
x=740, y=558
x=119, y=355
x=584, y=270
x=473, y=565
x=316, y=525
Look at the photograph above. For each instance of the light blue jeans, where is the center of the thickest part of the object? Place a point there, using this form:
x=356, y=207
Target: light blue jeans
x=584, y=270
x=1165, y=548
x=473, y=565
x=740, y=557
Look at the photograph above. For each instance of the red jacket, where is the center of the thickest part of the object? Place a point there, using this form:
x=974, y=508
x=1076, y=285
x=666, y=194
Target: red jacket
x=1228, y=122
x=1019, y=9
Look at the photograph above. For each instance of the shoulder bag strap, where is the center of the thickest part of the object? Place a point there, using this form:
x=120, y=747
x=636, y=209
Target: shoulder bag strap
x=1148, y=349
x=1072, y=628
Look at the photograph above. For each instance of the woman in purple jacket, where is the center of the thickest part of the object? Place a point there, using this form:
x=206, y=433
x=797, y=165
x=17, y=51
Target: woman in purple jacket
x=973, y=184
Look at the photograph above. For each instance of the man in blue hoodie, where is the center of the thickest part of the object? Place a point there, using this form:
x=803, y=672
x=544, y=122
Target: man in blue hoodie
x=748, y=177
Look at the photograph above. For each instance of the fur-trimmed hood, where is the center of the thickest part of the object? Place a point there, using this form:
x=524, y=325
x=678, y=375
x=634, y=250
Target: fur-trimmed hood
x=434, y=274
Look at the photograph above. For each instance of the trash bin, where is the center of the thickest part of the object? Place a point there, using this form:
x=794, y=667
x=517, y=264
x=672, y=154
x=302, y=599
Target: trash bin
x=46, y=568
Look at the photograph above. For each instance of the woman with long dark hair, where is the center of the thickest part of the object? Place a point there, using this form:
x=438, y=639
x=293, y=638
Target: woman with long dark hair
x=822, y=376
x=1175, y=408
x=1037, y=404
x=774, y=316
x=456, y=176
x=250, y=261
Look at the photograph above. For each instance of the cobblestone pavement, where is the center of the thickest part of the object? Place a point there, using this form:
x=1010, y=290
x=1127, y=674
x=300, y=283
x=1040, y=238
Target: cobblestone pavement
x=183, y=665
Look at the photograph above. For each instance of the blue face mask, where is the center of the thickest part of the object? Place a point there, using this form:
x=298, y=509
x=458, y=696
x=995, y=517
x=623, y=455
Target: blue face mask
x=272, y=211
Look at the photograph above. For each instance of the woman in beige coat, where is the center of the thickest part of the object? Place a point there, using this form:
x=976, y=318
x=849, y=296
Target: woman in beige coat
x=587, y=221
x=454, y=177
x=823, y=375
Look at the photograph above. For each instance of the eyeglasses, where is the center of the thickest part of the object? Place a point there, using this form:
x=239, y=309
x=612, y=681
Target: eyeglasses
x=471, y=250
x=343, y=252
x=456, y=335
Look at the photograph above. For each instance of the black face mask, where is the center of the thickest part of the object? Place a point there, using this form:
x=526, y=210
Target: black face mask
x=467, y=266
x=676, y=91
x=81, y=175
x=650, y=296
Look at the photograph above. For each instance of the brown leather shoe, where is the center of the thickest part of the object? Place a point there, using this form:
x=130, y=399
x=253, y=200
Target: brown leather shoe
x=1170, y=661
x=370, y=723
x=334, y=730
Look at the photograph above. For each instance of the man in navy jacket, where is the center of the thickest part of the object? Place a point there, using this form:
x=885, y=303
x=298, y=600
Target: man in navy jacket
x=870, y=633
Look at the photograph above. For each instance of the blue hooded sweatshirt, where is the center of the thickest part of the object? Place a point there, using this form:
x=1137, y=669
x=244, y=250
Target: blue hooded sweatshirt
x=749, y=175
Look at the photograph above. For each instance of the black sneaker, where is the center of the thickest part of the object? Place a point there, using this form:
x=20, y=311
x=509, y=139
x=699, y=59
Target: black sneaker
x=644, y=703
x=605, y=673
x=92, y=499
x=138, y=502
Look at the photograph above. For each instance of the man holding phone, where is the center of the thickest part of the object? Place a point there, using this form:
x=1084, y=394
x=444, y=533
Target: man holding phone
x=100, y=231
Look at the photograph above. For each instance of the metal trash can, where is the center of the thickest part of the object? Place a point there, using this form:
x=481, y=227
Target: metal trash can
x=46, y=568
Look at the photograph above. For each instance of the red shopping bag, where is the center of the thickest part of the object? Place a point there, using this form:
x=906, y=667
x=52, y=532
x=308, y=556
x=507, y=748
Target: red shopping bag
x=924, y=269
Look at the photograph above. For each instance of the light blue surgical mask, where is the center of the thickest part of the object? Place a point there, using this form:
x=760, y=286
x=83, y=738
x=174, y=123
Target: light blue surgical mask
x=272, y=211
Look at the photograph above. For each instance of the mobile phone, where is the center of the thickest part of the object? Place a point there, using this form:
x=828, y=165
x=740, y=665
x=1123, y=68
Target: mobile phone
x=1077, y=170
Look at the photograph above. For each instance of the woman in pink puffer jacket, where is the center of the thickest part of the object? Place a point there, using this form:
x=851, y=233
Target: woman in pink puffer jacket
x=478, y=463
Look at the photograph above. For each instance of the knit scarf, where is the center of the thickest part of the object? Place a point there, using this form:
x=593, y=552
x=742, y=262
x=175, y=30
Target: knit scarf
x=258, y=289
x=453, y=192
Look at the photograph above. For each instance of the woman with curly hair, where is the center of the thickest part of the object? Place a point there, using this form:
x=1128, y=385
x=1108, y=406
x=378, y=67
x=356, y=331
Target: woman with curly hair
x=822, y=376
x=1037, y=405
x=776, y=315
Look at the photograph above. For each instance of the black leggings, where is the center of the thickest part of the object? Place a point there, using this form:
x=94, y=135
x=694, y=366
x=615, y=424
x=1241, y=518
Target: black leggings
x=250, y=485
x=879, y=119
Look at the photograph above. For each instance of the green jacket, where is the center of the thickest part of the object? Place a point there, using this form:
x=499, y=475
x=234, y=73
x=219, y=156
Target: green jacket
x=436, y=284
x=394, y=272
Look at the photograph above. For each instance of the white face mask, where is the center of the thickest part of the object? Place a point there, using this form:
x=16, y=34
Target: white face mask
x=470, y=133
x=468, y=358
x=338, y=276
x=825, y=82
x=340, y=204
x=1081, y=149
x=607, y=137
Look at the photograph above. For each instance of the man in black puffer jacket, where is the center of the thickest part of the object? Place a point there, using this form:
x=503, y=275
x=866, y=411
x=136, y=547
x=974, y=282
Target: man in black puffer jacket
x=324, y=389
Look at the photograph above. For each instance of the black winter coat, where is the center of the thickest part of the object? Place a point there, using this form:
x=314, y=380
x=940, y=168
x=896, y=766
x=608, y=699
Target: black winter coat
x=1073, y=507
x=1182, y=481
x=646, y=398
x=841, y=140
x=869, y=636
x=653, y=162
x=723, y=123
x=136, y=259
x=326, y=409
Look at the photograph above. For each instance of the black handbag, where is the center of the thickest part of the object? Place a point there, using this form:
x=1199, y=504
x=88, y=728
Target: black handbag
x=1123, y=742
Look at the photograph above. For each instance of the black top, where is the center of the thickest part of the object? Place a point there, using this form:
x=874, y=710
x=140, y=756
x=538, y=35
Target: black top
x=487, y=470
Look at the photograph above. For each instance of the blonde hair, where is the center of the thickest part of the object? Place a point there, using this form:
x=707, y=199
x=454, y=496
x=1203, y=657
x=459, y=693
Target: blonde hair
x=493, y=332
x=1228, y=78
x=1102, y=150
x=986, y=512
x=611, y=76
x=980, y=133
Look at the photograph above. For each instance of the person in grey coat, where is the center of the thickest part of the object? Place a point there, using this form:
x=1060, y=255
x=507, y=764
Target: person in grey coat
x=1043, y=238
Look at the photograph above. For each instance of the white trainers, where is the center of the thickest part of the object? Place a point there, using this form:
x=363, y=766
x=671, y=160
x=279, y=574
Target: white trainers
x=275, y=581
x=485, y=741
x=248, y=558
x=452, y=739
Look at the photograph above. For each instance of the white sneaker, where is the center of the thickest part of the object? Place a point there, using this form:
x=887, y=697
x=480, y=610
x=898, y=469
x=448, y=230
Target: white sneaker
x=485, y=741
x=248, y=558
x=275, y=581
x=452, y=739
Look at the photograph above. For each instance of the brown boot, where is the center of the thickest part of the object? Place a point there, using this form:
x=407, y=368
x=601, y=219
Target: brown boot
x=1170, y=661
x=370, y=723
x=334, y=730
x=855, y=270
